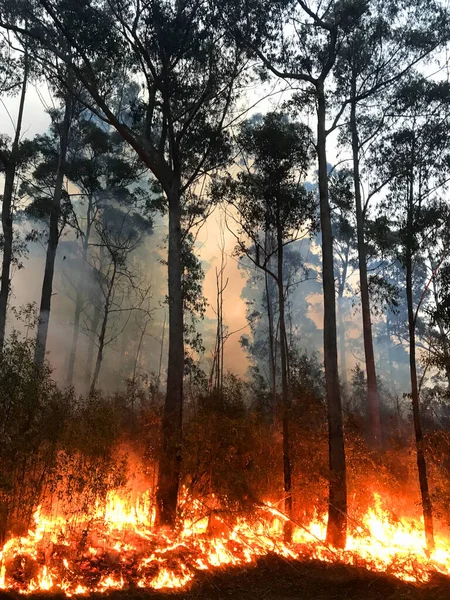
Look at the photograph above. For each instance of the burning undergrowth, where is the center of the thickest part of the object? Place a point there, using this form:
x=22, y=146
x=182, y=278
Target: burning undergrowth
x=77, y=479
x=117, y=547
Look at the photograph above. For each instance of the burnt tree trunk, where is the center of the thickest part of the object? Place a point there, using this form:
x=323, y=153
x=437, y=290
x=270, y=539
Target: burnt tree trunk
x=285, y=396
x=420, y=454
x=53, y=238
x=7, y=218
x=337, y=503
x=373, y=399
x=170, y=458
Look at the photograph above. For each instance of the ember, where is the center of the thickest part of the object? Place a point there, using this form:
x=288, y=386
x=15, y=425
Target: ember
x=123, y=550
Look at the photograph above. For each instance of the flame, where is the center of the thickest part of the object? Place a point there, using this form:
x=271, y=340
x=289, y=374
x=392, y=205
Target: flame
x=116, y=547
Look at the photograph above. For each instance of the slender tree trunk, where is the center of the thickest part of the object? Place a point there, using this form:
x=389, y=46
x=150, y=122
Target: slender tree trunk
x=102, y=336
x=337, y=503
x=161, y=353
x=287, y=471
x=420, y=454
x=79, y=300
x=7, y=218
x=373, y=399
x=170, y=459
x=272, y=365
x=342, y=345
x=53, y=238
x=75, y=335
x=95, y=321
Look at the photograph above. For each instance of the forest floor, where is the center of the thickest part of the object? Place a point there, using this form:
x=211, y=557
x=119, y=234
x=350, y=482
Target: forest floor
x=278, y=579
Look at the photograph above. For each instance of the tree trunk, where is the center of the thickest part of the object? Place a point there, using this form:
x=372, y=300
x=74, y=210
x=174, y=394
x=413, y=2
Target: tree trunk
x=7, y=219
x=272, y=364
x=420, y=455
x=102, y=336
x=170, y=459
x=337, y=503
x=79, y=300
x=373, y=399
x=95, y=321
x=161, y=353
x=287, y=474
x=53, y=238
x=342, y=345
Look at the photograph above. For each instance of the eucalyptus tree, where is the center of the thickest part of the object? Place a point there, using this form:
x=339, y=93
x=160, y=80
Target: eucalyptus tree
x=185, y=70
x=272, y=203
x=415, y=157
x=377, y=51
x=300, y=41
x=118, y=233
x=341, y=197
x=63, y=131
x=99, y=167
x=12, y=159
x=49, y=201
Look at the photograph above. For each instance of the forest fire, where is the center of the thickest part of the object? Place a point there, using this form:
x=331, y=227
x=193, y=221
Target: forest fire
x=117, y=548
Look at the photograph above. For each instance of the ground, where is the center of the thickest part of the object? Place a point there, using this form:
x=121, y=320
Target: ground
x=274, y=578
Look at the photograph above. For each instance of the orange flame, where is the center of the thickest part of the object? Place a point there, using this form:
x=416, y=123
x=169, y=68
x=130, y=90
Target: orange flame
x=119, y=547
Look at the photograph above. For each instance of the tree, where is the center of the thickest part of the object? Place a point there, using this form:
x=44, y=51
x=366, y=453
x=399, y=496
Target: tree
x=119, y=234
x=415, y=155
x=98, y=166
x=11, y=160
x=53, y=232
x=174, y=122
x=341, y=197
x=273, y=204
x=295, y=41
x=379, y=48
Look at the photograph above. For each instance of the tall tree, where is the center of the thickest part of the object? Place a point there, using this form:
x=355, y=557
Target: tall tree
x=97, y=165
x=53, y=232
x=416, y=156
x=272, y=202
x=118, y=235
x=10, y=160
x=300, y=41
x=341, y=197
x=187, y=69
x=378, y=49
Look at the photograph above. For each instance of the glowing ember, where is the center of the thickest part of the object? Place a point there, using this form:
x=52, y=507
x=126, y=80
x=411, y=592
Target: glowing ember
x=116, y=548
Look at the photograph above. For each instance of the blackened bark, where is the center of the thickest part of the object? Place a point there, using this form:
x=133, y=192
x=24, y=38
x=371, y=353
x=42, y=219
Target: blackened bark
x=285, y=397
x=7, y=218
x=337, y=503
x=420, y=454
x=373, y=398
x=170, y=459
x=53, y=238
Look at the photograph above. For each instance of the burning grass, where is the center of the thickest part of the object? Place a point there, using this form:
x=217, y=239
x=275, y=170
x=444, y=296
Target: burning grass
x=116, y=547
